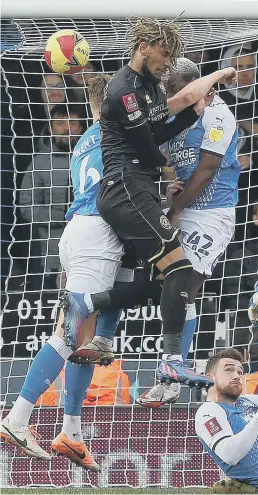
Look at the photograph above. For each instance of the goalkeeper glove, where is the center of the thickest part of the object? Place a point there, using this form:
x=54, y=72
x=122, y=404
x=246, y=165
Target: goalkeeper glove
x=233, y=486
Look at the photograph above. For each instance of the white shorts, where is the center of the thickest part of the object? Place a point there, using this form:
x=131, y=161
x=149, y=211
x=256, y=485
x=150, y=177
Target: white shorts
x=205, y=235
x=90, y=253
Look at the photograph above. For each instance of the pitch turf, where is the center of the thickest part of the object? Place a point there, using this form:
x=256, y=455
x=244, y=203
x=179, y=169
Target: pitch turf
x=104, y=491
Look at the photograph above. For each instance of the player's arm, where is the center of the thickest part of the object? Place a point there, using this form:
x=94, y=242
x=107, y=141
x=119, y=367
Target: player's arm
x=130, y=110
x=212, y=426
x=201, y=177
x=216, y=140
x=196, y=90
x=182, y=121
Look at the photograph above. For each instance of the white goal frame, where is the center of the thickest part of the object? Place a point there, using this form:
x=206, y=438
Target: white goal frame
x=231, y=9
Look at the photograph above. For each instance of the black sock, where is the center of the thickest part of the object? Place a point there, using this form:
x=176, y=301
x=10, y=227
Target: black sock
x=128, y=295
x=173, y=304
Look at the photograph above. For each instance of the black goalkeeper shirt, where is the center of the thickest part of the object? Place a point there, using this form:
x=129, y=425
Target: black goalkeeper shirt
x=133, y=124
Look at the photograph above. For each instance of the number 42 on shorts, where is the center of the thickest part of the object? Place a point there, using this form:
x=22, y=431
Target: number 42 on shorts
x=199, y=243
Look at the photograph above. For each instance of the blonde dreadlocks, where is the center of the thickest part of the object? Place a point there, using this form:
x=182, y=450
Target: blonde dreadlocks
x=154, y=31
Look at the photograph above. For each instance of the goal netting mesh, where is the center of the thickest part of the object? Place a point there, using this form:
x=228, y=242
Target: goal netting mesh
x=135, y=446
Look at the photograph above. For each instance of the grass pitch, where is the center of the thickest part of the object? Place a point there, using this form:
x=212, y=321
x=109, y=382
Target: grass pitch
x=104, y=491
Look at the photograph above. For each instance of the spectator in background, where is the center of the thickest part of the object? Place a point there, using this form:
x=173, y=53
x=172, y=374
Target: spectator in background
x=243, y=103
x=44, y=194
x=52, y=91
x=79, y=84
x=240, y=277
x=243, y=99
x=79, y=81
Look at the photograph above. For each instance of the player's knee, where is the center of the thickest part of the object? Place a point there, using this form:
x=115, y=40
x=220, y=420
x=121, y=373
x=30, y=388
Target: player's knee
x=182, y=267
x=167, y=250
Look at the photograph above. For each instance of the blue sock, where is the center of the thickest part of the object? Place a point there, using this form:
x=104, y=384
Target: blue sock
x=188, y=329
x=107, y=323
x=77, y=381
x=45, y=368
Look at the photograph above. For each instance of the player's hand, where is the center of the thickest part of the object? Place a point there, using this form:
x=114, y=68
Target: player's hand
x=173, y=189
x=228, y=76
x=204, y=102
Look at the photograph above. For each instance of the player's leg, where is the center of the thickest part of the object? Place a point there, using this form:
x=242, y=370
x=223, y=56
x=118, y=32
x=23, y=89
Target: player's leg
x=131, y=206
x=45, y=367
x=100, y=349
x=95, y=261
x=205, y=236
x=89, y=267
x=78, y=377
x=128, y=296
x=189, y=327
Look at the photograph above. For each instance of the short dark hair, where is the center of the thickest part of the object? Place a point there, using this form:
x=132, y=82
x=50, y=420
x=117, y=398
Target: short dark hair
x=66, y=110
x=185, y=71
x=229, y=353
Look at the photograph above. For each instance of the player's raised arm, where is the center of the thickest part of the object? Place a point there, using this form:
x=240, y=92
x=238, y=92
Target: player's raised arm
x=196, y=90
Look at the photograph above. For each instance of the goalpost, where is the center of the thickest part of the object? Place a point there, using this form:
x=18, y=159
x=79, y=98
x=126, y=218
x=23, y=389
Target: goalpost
x=135, y=446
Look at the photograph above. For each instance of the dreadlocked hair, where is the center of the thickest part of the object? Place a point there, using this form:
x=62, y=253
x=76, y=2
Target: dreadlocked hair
x=155, y=31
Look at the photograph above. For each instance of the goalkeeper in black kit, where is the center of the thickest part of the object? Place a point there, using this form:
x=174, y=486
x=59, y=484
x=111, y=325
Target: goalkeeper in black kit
x=133, y=125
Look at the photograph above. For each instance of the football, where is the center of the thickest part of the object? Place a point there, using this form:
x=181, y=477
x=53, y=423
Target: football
x=67, y=52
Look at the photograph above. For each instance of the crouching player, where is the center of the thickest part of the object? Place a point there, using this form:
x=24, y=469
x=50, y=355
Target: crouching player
x=227, y=424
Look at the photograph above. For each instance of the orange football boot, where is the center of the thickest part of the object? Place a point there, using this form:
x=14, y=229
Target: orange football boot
x=77, y=452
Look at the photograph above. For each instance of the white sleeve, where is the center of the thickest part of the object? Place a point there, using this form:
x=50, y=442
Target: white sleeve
x=211, y=424
x=219, y=127
x=220, y=437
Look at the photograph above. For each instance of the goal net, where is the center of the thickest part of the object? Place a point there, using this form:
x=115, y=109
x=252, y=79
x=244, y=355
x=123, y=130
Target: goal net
x=135, y=446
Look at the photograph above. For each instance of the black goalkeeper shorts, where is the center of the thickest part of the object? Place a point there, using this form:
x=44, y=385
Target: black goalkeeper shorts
x=130, y=203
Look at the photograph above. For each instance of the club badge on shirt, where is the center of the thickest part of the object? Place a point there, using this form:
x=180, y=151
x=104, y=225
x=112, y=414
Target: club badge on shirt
x=216, y=133
x=130, y=103
x=213, y=426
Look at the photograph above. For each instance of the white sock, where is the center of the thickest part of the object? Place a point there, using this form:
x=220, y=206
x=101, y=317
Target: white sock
x=72, y=428
x=88, y=302
x=20, y=412
x=60, y=347
x=172, y=357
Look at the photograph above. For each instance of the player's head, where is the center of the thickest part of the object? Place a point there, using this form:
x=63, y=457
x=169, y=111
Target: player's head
x=66, y=126
x=96, y=91
x=154, y=45
x=226, y=370
x=182, y=74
